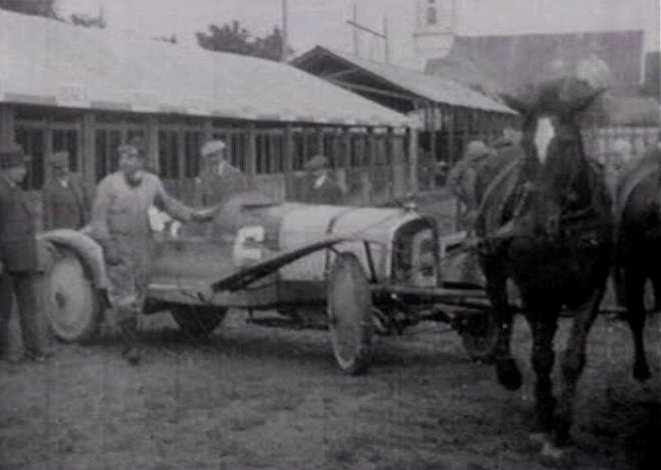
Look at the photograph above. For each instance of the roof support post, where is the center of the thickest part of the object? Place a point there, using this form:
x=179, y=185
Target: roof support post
x=371, y=165
x=451, y=156
x=7, y=132
x=152, y=143
x=288, y=160
x=390, y=162
x=320, y=142
x=251, y=151
x=207, y=131
x=346, y=143
x=88, y=160
x=465, y=127
x=432, y=144
x=413, y=159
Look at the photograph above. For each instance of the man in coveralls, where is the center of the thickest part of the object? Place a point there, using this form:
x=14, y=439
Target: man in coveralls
x=120, y=223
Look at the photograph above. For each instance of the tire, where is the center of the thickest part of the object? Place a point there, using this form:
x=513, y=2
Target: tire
x=196, y=320
x=479, y=336
x=72, y=304
x=349, y=314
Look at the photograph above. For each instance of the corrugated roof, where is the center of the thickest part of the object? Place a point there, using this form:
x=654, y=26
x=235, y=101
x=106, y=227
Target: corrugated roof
x=437, y=89
x=48, y=62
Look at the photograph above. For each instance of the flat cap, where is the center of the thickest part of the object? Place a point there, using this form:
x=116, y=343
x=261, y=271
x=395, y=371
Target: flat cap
x=213, y=146
x=316, y=163
x=12, y=156
x=477, y=148
x=59, y=159
x=131, y=149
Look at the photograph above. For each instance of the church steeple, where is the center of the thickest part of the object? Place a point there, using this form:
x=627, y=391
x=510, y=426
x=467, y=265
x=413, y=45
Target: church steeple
x=434, y=29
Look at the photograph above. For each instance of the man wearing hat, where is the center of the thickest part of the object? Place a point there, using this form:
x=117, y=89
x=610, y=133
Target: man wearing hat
x=218, y=180
x=120, y=223
x=321, y=187
x=65, y=199
x=462, y=178
x=19, y=267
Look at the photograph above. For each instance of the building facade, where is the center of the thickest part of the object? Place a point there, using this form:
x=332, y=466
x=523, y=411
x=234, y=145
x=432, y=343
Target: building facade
x=85, y=91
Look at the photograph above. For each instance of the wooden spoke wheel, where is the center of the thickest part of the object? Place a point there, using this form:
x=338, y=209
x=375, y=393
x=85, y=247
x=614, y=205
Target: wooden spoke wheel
x=72, y=304
x=198, y=320
x=350, y=314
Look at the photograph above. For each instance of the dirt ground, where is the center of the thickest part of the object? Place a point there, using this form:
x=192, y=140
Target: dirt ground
x=255, y=397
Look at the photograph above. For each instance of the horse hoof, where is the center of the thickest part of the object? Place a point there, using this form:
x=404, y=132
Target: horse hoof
x=641, y=373
x=553, y=456
x=539, y=439
x=508, y=374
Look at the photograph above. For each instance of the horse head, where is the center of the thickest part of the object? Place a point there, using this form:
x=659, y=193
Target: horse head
x=555, y=162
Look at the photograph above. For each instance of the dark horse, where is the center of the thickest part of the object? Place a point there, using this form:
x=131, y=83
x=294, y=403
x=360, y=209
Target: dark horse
x=639, y=244
x=545, y=224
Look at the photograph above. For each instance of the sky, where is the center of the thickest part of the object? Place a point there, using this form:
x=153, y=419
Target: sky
x=314, y=22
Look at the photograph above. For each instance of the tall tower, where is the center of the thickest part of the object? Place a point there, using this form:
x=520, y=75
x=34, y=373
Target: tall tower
x=434, y=28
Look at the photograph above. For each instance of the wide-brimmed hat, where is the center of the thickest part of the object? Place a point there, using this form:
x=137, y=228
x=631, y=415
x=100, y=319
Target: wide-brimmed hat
x=212, y=147
x=316, y=163
x=12, y=156
x=59, y=159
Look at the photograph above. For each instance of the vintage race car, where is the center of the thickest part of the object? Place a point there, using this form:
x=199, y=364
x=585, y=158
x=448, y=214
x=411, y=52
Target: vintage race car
x=355, y=270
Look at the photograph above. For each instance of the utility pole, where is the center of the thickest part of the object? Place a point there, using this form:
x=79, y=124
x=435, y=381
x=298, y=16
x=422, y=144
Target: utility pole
x=285, y=32
x=355, y=30
x=386, y=39
x=384, y=35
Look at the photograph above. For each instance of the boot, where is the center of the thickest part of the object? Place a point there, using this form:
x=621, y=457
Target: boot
x=129, y=332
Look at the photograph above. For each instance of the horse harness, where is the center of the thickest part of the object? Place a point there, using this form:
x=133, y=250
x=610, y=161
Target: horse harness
x=582, y=223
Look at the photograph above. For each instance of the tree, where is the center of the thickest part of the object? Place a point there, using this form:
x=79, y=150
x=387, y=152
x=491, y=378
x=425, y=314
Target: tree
x=31, y=7
x=232, y=37
x=87, y=21
x=171, y=39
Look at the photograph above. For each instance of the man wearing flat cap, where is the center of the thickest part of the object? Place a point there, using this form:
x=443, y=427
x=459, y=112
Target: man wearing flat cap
x=321, y=187
x=120, y=223
x=19, y=266
x=65, y=198
x=218, y=180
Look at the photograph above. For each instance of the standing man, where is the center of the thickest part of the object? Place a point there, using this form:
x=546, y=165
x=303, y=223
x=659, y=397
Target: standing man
x=218, y=180
x=462, y=181
x=19, y=266
x=321, y=188
x=120, y=223
x=65, y=200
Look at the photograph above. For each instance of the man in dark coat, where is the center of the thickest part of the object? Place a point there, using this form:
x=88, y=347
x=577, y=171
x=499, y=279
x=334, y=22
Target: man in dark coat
x=321, y=187
x=66, y=202
x=219, y=180
x=19, y=264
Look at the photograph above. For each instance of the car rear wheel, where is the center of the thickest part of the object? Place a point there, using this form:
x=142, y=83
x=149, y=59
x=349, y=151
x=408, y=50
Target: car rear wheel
x=197, y=320
x=350, y=314
x=72, y=304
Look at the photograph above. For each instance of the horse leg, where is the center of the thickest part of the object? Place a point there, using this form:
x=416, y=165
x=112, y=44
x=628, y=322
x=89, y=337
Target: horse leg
x=543, y=329
x=572, y=364
x=508, y=373
x=635, y=287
